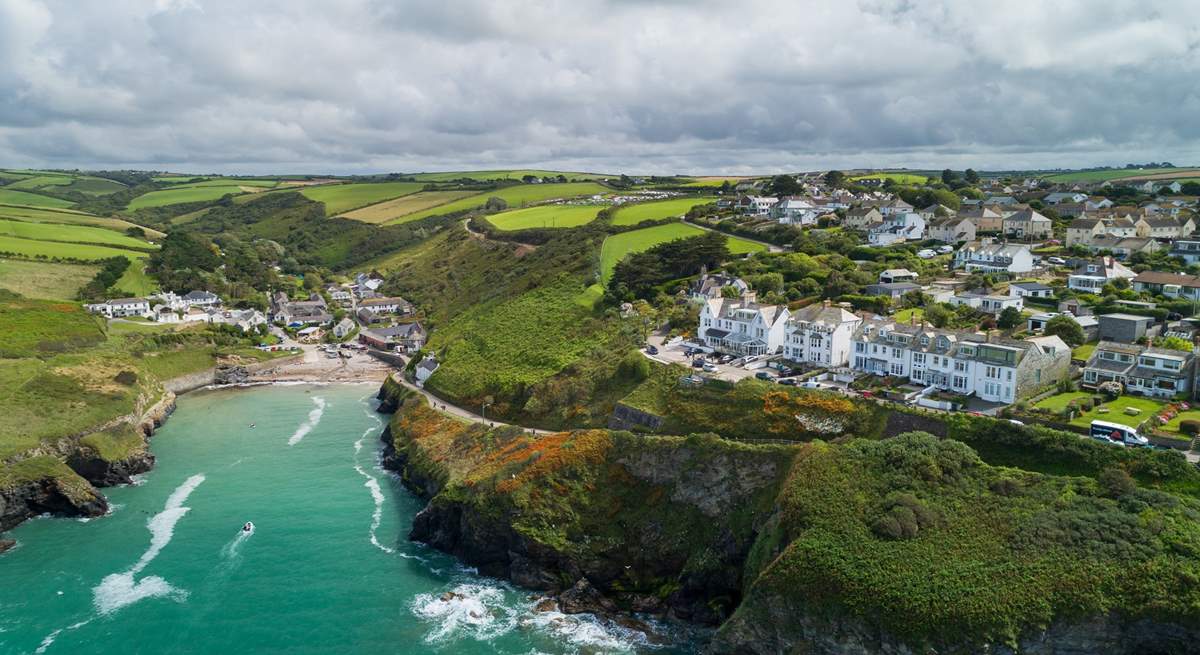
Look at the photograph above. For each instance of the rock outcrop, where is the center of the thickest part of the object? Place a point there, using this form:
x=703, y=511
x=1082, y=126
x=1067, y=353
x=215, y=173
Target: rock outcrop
x=59, y=492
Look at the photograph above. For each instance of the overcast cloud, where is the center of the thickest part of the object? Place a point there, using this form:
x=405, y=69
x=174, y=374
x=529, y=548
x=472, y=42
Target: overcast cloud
x=622, y=85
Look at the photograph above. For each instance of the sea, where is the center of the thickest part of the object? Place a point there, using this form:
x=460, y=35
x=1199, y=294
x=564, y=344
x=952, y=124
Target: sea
x=327, y=568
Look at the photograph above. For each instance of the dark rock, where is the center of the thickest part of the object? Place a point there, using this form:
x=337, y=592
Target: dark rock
x=49, y=495
x=6, y=544
x=104, y=473
x=583, y=598
x=226, y=374
x=546, y=605
x=449, y=596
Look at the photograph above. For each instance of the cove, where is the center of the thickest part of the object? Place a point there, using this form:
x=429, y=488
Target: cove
x=328, y=567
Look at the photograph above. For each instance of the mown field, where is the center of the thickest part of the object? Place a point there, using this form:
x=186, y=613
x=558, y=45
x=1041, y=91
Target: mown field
x=95, y=186
x=715, y=181
x=15, y=197
x=515, y=196
x=55, y=249
x=182, y=195
x=34, y=215
x=617, y=246
x=899, y=178
x=49, y=280
x=340, y=198
x=231, y=181
x=651, y=211
x=502, y=175
x=398, y=209
x=1117, y=174
x=70, y=234
x=552, y=216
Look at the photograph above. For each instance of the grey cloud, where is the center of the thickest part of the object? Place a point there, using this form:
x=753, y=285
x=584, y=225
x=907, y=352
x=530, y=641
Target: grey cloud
x=664, y=87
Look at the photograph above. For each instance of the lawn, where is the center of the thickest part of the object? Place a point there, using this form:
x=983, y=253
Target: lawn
x=906, y=315
x=135, y=280
x=1116, y=411
x=179, y=196
x=650, y=211
x=340, y=198
x=899, y=178
x=545, y=216
x=86, y=252
x=70, y=217
x=617, y=246
x=49, y=280
x=398, y=209
x=1059, y=402
x=1083, y=352
x=70, y=234
x=515, y=196
x=12, y=197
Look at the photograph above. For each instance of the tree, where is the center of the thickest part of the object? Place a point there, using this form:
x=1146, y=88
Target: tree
x=938, y=316
x=528, y=179
x=784, y=185
x=948, y=177
x=971, y=176
x=495, y=204
x=1190, y=189
x=1175, y=343
x=1009, y=318
x=1065, y=328
x=835, y=178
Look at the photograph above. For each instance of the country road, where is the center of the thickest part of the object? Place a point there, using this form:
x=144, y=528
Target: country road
x=459, y=412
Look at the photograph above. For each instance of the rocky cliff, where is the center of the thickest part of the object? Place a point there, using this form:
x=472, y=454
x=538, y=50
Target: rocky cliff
x=909, y=545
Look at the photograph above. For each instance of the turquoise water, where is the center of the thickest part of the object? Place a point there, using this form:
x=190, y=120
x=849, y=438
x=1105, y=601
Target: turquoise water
x=327, y=569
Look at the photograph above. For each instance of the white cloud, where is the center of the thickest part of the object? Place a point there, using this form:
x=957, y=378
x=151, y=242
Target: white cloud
x=666, y=86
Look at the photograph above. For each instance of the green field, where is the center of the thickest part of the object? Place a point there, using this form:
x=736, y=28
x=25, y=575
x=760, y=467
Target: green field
x=51, y=249
x=515, y=196
x=69, y=234
x=94, y=186
x=41, y=181
x=503, y=175
x=49, y=280
x=229, y=181
x=136, y=280
x=398, y=209
x=11, y=197
x=545, y=216
x=179, y=196
x=340, y=198
x=1117, y=174
x=899, y=178
x=617, y=246
x=33, y=215
x=651, y=211
x=701, y=182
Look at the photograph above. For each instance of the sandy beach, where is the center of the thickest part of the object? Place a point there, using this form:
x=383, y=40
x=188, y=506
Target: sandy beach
x=316, y=366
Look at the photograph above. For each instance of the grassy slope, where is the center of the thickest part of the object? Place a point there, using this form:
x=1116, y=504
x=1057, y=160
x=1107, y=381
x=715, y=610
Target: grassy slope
x=617, y=246
x=178, y=196
x=500, y=175
x=397, y=210
x=651, y=211
x=1101, y=176
x=11, y=197
x=30, y=248
x=515, y=196
x=70, y=234
x=545, y=216
x=47, y=280
x=32, y=215
x=339, y=198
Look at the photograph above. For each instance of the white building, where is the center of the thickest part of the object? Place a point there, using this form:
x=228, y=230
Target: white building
x=992, y=304
x=795, y=211
x=196, y=298
x=742, y=326
x=1091, y=276
x=122, y=308
x=756, y=205
x=988, y=257
x=897, y=228
x=820, y=335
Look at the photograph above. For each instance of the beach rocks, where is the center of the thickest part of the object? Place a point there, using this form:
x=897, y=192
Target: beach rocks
x=6, y=544
x=583, y=598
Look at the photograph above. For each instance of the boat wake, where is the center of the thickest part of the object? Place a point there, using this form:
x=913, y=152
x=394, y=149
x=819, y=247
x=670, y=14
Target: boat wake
x=121, y=589
x=232, y=551
x=314, y=417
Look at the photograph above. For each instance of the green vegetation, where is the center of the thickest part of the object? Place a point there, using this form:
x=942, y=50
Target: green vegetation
x=545, y=216
x=898, y=178
x=1083, y=352
x=1117, y=174
x=652, y=211
x=70, y=234
x=715, y=181
x=47, y=280
x=11, y=197
x=1147, y=408
x=1059, y=402
x=398, y=210
x=486, y=176
x=183, y=195
x=70, y=217
x=339, y=198
x=513, y=196
x=57, y=250
x=115, y=444
x=617, y=246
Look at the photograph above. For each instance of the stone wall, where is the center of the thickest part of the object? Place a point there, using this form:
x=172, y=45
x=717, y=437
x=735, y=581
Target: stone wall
x=625, y=417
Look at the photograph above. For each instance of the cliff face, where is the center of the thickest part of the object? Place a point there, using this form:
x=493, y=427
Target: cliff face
x=910, y=545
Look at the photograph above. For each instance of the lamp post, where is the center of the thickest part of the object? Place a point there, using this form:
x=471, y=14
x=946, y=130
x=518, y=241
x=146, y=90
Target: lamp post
x=483, y=411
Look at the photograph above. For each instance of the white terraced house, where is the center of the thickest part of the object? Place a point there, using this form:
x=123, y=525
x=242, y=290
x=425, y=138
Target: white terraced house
x=121, y=308
x=742, y=326
x=988, y=257
x=966, y=363
x=756, y=205
x=820, y=335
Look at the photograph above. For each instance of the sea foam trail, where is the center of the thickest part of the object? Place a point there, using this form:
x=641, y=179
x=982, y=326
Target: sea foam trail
x=121, y=589
x=314, y=417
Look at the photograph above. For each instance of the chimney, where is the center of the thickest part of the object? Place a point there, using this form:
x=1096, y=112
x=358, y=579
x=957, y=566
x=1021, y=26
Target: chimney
x=749, y=296
x=828, y=302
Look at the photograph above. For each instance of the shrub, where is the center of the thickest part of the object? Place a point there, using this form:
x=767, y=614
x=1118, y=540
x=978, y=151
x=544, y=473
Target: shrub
x=127, y=378
x=1190, y=427
x=903, y=516
x=1115, y=482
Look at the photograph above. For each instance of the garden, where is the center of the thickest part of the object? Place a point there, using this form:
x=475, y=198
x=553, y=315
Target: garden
x=1176, y=420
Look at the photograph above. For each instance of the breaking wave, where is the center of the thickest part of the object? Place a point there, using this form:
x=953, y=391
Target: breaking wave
x=314, y=417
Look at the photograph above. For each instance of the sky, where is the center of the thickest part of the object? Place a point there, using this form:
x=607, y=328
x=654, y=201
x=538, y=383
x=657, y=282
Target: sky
x=638, y=86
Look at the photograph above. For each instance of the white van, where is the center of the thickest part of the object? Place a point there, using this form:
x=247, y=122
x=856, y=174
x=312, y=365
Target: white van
x=926, y=254
x=1117, y=434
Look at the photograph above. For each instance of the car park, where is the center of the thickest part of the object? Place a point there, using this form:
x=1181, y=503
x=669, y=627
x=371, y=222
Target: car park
x=709, y=368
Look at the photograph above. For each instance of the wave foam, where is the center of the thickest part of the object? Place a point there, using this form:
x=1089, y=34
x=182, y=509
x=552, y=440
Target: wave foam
x=118, y=590
x=372, y=484
x=477, y=611
x=314, y=417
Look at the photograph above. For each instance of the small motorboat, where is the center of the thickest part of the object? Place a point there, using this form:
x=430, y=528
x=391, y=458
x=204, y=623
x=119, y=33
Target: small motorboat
x=249, y=527
x=253, y=424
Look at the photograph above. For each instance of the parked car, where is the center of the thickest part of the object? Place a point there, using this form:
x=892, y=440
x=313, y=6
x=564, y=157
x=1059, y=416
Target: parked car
x=945, y=250
x=709, y=368
x=689, y=352
x=926, y=253
x=697, y=363
x=1057, y=261
x=811, y=384
x=725, y=359
x=791, y=382
x=652, y=350
x=763, y=375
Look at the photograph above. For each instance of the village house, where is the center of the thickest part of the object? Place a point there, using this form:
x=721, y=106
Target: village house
x=936, y=210
x=988, y=257
x=897, y=275
x=709, y=286
x=992, y=369
x=405, y=338
x=895, y=206
x=862, y=218
x=1091, y=276
x=1091, y=327
x=339, y=294
x=986, y=219
x=1186, y=249
x=343, y=328
x=1030, y=290
x=121, y=308
x=952, y=229
x=1082, y=230
x=425, y=369
x=795, y=211
x=1171, y=285
x=897, y=228
x=820, y=335
x=742, y=326
x=313, y=311
x=756, y=205
x=198, y=298
x=1156, y=372
x=893, y=290
x=1027, y=224
x=1123, y=247
x=1059, y=197
x=988, y=303
x=386, y=305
